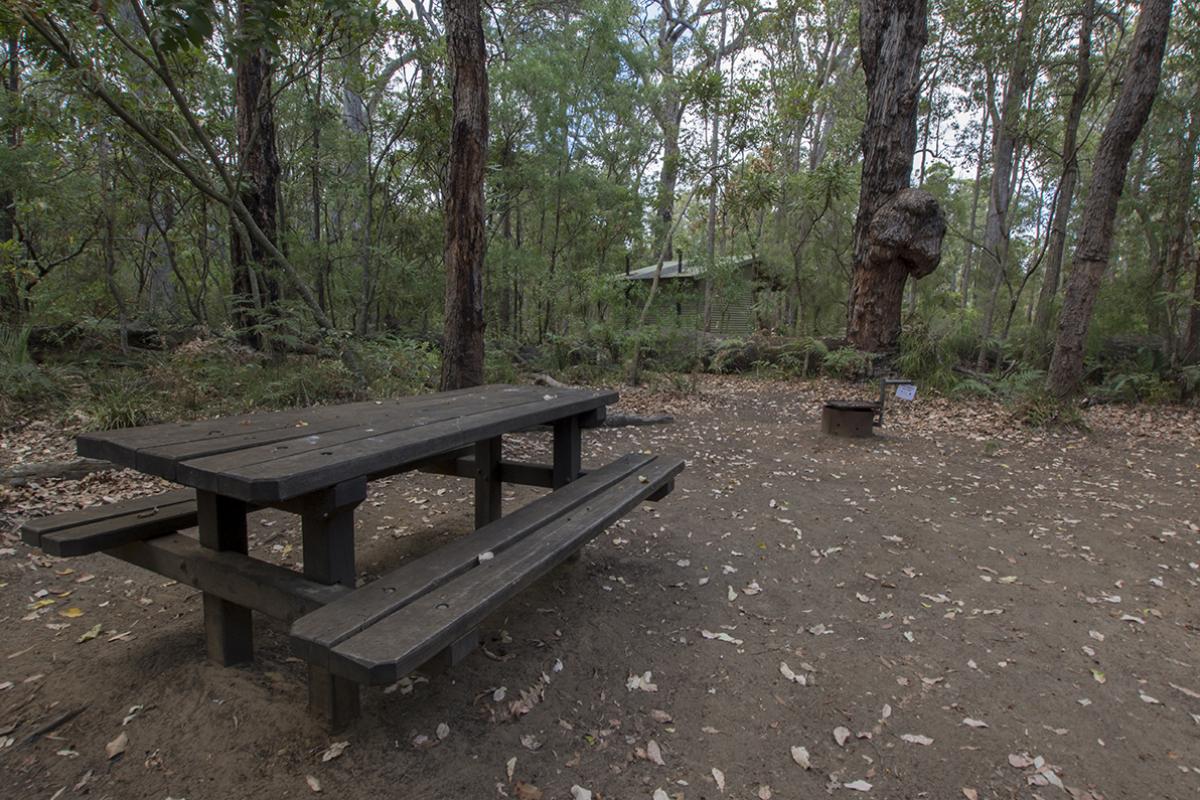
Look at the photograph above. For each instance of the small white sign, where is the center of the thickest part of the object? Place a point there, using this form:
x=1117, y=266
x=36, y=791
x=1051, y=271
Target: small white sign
x=906, y=391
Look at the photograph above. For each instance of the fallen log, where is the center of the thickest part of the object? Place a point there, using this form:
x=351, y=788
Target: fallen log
x=21, y=474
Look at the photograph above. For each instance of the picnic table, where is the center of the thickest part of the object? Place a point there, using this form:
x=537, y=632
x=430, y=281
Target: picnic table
x=316, y=463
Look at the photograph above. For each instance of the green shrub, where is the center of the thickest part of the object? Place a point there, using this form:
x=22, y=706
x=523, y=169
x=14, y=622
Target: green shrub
x=292, y=385
x=1038, y=409
x=23, y=382
x=847, y=363
x=122, y=402
x=396, y=366
x=1136, y=387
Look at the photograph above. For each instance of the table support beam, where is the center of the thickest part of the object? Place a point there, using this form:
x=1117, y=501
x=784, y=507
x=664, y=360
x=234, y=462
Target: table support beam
x=327, y=522
x=568, y=443
x=228, y=627
x=488, y=485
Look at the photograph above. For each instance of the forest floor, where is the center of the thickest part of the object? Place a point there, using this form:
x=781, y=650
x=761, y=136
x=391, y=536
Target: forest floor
x=966, y=608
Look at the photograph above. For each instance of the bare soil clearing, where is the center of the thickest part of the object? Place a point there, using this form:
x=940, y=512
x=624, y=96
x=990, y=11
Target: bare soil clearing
x=987, y=611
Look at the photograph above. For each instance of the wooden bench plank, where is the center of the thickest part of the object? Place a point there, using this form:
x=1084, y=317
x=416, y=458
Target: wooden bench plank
x=395, y=645
x=78, y=533
x=315, y=635
x=249, y=582
x=68, y=519
x=324, y=464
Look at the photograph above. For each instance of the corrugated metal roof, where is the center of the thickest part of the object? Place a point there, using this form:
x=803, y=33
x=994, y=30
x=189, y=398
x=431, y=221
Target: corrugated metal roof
x=693, y=268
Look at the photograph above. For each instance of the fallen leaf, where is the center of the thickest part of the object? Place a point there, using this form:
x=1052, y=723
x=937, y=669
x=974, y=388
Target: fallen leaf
x=970, y=794
x=840, y=735
x=313, y=783
x=654, y=753
x=857, y=786
x=443, y=730
x=787, y=673
x=660, y=716
x=580, y=793
x=916, y=738
x=974, y=723
x=92, y=633
x=719, y=777
x=644, y=682
x=333, y=751
x=117, y=746
x=800, y=756
x=722, y=636
x=527, y=791
x=531, y=742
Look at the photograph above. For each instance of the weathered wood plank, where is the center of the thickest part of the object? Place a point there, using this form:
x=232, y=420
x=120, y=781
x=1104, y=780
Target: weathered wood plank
x=339, y=423
x=228, y=627
x=104, y=534
x=321, y=465
x=568, y=446
x=314, y=635
x=328, y=534
x=401, y=642
x=123, y=443
x=520, y=473
x=70, y=519
x=488, y=488
x=238, y=579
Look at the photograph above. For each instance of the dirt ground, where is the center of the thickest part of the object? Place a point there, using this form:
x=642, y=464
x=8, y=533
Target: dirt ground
x=965, y=608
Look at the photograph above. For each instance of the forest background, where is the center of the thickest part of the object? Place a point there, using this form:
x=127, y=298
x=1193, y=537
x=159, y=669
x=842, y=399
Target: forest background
x=621, y=134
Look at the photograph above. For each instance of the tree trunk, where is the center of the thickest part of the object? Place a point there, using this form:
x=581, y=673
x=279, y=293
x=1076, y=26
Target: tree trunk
x=1132, y=108
x=1179, y=236
x=669, y=113
x=714, y=155
x=997, y=225
x=1191, y=346
x=255, y=290
x=10, y=295
x=965, y=281
x=898, y=231
x=1070, y=176
x=462, y=343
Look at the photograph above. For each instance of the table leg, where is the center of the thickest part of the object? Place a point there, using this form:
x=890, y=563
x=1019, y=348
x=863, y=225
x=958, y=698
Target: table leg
x=328, y=540
x=568, y=442
x=228, y=628
x=488, y=487
x=568, y=446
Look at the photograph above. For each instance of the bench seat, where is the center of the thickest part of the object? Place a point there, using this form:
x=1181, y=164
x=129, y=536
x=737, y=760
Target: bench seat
x=91, y=530
x=380, y=632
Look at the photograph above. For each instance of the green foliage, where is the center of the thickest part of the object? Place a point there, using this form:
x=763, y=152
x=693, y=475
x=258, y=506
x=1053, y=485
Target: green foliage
x=847, y=363
x=122, y=402
x=1040, y=410
x=24, y=385
x=1137, y=387
x=396, y=367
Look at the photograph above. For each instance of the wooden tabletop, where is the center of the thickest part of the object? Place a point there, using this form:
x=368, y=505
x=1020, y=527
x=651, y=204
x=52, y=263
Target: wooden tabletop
x=272, y=457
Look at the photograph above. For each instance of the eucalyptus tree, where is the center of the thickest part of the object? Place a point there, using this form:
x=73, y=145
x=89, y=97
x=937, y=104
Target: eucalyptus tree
x=1092, y=251
x=898, y=230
